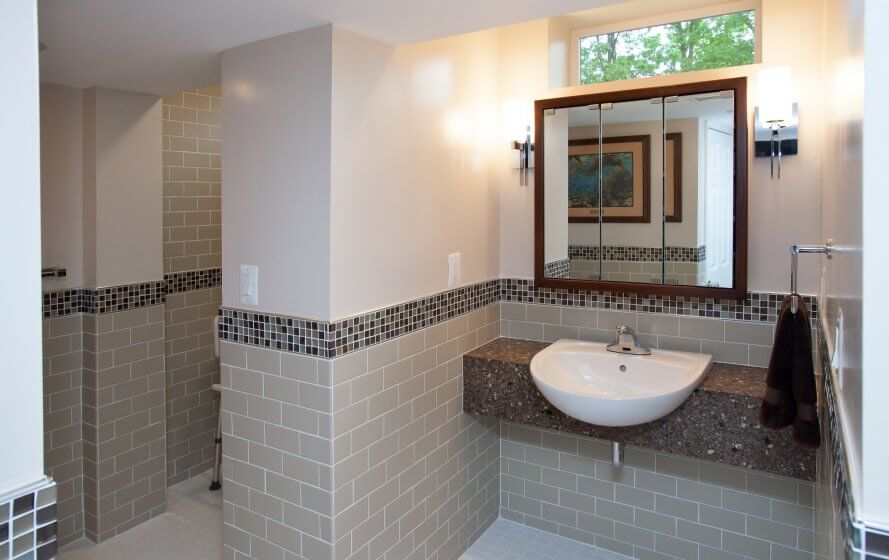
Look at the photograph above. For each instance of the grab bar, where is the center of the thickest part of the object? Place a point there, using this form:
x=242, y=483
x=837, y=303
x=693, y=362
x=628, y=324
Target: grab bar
x=795, y=250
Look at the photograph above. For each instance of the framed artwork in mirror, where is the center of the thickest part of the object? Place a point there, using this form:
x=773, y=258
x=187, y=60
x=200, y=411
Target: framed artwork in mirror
x=626, y=179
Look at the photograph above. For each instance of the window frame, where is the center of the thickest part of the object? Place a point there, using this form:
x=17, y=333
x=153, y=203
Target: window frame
x=663, y=19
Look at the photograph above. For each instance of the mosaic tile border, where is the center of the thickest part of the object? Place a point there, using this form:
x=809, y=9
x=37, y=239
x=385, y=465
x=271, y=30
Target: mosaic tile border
x=292, y=334
x=851, y=535
x=96, y=301
x=66, y=302
x=557, y=269
x=128, y=296
x=28, y=524
x=379, y=326
x=190, y=280
x=623, y=253
x=329, y=340
x=757, y=306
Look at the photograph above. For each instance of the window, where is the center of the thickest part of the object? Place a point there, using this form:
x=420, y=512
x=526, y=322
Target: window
x=696, y=44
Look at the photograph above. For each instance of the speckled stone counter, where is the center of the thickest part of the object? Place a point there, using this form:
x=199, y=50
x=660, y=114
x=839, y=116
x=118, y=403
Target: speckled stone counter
x=717, y=423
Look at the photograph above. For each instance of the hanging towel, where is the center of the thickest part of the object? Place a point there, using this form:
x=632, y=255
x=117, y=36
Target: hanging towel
x=806, y=429
x=791, y=397
x=778, y=409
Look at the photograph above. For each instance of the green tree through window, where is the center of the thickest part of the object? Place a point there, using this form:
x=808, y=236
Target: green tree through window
x=697, y=44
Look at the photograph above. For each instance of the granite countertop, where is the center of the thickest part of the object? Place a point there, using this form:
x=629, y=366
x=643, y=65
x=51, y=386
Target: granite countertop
x=718, y=422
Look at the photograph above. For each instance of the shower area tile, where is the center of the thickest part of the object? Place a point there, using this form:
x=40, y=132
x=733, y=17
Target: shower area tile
x=506, y=540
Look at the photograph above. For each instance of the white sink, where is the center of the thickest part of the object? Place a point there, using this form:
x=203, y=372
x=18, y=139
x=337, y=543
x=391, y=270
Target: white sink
x=588, y=383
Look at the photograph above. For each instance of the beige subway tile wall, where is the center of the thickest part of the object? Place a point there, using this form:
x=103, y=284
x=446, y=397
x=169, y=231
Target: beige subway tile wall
x=729, y=341
x=124, y=420
x=63, y=445
x=191, y=370
x=657, y=506
x=192, y=140
x=192, y=160
x=277, y=454
x=366, y=456
x=414, y=476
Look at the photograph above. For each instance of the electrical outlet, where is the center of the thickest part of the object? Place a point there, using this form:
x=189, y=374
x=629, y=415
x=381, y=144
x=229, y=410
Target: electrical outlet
x=250, y=284
x=453, y=270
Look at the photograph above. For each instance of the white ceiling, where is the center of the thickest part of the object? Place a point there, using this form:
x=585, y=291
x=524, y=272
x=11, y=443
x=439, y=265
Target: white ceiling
x=163, y=46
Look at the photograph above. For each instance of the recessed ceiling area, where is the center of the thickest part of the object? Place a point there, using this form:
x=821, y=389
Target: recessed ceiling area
x=163, y=46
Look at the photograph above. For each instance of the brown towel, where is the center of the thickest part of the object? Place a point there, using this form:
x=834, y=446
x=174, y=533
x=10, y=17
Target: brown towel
x=791, y=396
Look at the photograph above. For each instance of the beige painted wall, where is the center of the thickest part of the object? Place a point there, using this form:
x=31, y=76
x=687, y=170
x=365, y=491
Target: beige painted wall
x=122, y=187
x=276, y=164
x=781, y=212
x=440, y=183
x=411, y=131
x=61, y=183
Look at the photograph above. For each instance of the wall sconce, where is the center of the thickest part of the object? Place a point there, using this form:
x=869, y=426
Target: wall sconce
x=517, y=121
x=526, y=156
x=776, y=119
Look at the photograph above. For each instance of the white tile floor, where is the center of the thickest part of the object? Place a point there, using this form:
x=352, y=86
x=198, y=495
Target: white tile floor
x=507, y=540
x=191, y=529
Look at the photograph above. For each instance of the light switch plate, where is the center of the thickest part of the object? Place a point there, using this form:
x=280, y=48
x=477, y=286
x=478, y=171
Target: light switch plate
x=454, y=270
x=249, y=284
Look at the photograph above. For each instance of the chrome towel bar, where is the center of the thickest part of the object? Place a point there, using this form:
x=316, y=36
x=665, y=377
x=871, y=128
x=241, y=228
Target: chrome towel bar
x=795, y=250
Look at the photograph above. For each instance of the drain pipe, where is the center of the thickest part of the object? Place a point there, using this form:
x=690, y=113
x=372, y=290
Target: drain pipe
x=617, y=454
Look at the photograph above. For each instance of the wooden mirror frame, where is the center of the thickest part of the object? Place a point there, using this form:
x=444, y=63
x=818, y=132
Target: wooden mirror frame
x=739, y=270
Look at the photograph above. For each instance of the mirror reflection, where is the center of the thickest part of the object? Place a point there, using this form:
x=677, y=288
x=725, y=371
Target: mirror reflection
x=641, y=191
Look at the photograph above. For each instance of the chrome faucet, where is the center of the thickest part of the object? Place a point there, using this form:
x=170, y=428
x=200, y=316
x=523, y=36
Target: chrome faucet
x=628, y=343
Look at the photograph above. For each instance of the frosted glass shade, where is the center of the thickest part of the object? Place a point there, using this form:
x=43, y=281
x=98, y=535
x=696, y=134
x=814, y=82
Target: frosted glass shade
x=775, y=95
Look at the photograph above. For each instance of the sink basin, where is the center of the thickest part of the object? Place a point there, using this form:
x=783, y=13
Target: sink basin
x=588, y=383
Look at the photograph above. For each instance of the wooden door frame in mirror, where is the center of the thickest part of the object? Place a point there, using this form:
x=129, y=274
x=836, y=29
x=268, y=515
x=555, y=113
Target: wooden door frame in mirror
x=739, y=271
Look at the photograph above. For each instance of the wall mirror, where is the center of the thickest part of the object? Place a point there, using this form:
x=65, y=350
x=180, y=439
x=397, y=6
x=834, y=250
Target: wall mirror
x=644, y=190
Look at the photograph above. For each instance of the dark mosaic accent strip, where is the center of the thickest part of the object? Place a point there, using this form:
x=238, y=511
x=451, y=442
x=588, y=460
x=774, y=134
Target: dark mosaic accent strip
x=292, y=334
x=130, y=296
x=557, y=269
x=26, y=531
x=757, y=306
x=645, y=254
x=66, y=302
x=102, y=300
x=329, y=340
x=193, y=280
x=372, y=328
x=852, y=535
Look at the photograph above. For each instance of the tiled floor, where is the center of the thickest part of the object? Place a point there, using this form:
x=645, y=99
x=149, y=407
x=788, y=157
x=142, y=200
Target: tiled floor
x=191, y=529
x=506, y=540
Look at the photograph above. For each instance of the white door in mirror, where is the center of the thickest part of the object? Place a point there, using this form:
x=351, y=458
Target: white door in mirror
x=588, y=383
x=250, y=284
